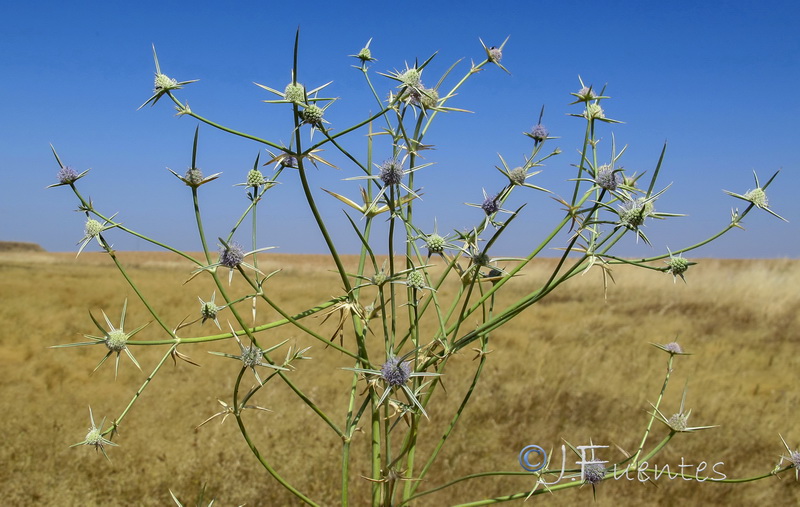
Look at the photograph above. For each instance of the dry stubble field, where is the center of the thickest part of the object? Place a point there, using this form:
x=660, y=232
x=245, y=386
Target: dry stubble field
x=575, y=367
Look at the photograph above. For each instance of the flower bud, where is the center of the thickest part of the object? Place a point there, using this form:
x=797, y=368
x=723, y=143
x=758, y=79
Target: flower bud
x=312, y=115
x=255, y=178
x=416, y=280
x=295, y=92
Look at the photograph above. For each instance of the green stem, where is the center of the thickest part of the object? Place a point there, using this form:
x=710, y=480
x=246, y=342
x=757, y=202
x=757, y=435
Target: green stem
x=142, y=388
x=254, y=449
x=653, y=415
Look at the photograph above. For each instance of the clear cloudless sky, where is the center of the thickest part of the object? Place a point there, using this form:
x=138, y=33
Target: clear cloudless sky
x=715, y=80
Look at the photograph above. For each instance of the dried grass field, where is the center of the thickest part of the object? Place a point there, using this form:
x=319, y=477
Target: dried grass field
x=576, y=367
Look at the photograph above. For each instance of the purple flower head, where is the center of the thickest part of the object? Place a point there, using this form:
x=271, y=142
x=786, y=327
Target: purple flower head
x=586, y=94
x=66, y=175
x=395, y=372
x=289, y=161
x=794, y=457
x=607, y=178
x=594, y=473
x=391, y=172
x=539, y=133
x=490, y=205
x=231, y=256
x=495, y=54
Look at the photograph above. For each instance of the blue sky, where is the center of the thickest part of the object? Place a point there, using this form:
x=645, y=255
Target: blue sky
x=714, y=79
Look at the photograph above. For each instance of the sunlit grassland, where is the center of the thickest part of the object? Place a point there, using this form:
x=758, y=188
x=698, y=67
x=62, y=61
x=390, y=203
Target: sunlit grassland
x=576, y=367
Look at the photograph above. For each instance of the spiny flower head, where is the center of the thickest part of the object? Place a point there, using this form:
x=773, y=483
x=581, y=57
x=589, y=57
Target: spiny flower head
x=427, y=98
x=679, y=422
x=391, y=172
x=116, y=339
x=594, y=111
x=793, y=458
x=594, y=473
x=164, y=83
x=435, y=243
x=92, y=228
x=252, y=356
x=365, y=55
x=193, y=177
x=208, y=310
x=231, y=256
x=633, y=212
x=585, y=94
x=490, y=204
x=673, y=348
x=411, y=77
x=255, y=178
x=295, y=92
x=379, y=278
x=479, y=259
x=289, y=161
x=758, y=197
x=396, y=372
x=539, y=133
x=313, y=115
x=95, y=437
x=66, y=175
x=518, y=175
x=607, y=178
x=415, y=280
x=494, y=54
x=677, y=266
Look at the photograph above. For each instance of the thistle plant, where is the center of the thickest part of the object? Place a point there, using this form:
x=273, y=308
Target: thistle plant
x=434, y=296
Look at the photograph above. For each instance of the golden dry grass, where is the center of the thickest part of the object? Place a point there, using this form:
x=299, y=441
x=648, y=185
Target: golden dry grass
x=574, y=367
